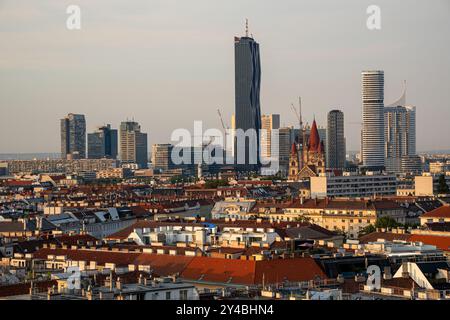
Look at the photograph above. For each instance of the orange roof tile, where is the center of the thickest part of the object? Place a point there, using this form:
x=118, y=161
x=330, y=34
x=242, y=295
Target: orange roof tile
x=441, y=212
x=220, y=270
x=441, y=242
x=293, y=270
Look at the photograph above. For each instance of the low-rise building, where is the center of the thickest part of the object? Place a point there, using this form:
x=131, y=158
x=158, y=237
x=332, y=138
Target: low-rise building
x=353, y=185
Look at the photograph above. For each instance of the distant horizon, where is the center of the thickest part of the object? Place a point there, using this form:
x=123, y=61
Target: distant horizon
x=166, y=64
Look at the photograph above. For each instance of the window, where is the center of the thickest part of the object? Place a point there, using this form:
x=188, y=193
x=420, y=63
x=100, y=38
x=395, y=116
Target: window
x=168, y=295
x=183, y=294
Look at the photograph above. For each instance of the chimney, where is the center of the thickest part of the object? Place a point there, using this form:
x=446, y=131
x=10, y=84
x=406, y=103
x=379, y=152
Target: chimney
x=405, y=273
x=387, y=273
x=111, y=281
x=119, y=284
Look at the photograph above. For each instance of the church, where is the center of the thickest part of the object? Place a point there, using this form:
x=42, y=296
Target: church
x=307, y=160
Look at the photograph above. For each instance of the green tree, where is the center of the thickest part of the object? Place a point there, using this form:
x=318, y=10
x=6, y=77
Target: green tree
x=369, y=229
x=442, y=185
x=213, y=184
x=386, y=222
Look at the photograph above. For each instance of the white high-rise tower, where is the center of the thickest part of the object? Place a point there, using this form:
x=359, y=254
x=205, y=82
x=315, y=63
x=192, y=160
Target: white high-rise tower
x=373, y=119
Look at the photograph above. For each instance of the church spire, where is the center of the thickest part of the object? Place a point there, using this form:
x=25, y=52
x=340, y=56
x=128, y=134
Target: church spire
x=314, y=139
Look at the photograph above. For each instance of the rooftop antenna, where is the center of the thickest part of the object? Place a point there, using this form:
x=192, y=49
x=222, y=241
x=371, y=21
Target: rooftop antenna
x=300, y=111
x=246, y=28
x=404, y=91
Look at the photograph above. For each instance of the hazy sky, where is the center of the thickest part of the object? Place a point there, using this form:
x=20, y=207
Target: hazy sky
x=167, y=63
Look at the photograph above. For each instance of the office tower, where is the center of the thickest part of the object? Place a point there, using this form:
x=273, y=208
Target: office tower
x=133, y=144
x=335, y=140
x=268, y=123
x=400, y=137
x=73, y=137
x=247, y=104
x=286, y=139
x=161, y=157
x=373, y=119
x=103, y=143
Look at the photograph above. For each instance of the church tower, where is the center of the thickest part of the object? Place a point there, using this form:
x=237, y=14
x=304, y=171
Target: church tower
x=314, y=154
x=294, y=164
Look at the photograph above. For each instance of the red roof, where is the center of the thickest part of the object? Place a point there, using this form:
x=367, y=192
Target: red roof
x=441, y=212
x=252, y=272
x=389, y=236
x=220, y=270
x=314, y=139
x=18, y=183
x=294, y=270
x=75, y=239
x=24, y=288
x=164, y=264
x=294, y=149
x=441, y=242
x=202, y=268
x=321, y=148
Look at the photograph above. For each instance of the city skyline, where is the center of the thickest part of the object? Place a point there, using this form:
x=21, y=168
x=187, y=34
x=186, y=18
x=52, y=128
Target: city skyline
x=300, y=66
x=252, y=157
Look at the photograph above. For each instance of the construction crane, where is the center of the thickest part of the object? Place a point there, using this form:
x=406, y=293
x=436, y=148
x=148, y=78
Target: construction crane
x=298, y=113
x=221, y=120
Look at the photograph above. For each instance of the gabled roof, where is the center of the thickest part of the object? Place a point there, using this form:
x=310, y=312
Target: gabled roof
x=389, y=236
x=441, y=242
x=205, y=269
x=441, y=212
x=24, y=288
x=293, y=270
x=220, y=270
x=251, y=272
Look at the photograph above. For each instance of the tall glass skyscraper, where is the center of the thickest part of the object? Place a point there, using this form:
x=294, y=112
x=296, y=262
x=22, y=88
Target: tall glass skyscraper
x=247, y=103
x=373, y=119
x=73, y=137
x=103, y=143
x=335, y=140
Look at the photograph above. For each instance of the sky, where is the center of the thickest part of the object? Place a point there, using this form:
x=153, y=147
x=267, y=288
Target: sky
x=167, y=63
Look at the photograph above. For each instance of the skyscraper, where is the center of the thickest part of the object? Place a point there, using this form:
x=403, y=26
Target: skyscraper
x=73, y=136
x=247, y=103
x=335, y=140
x=103, y=143
x=373, y=119
x=133, y=144
x=400, y=136
x=286, y=139
x=161, y=156
x=269, y=123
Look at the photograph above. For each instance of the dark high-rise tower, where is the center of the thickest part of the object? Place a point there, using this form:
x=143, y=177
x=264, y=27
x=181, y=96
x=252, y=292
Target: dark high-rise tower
x=247, y=104
x=335, y=140
x=103, y=143
x=73, y=137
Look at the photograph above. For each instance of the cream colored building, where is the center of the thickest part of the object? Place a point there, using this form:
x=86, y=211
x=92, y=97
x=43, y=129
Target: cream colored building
x=349, y=216
x=423, y=185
